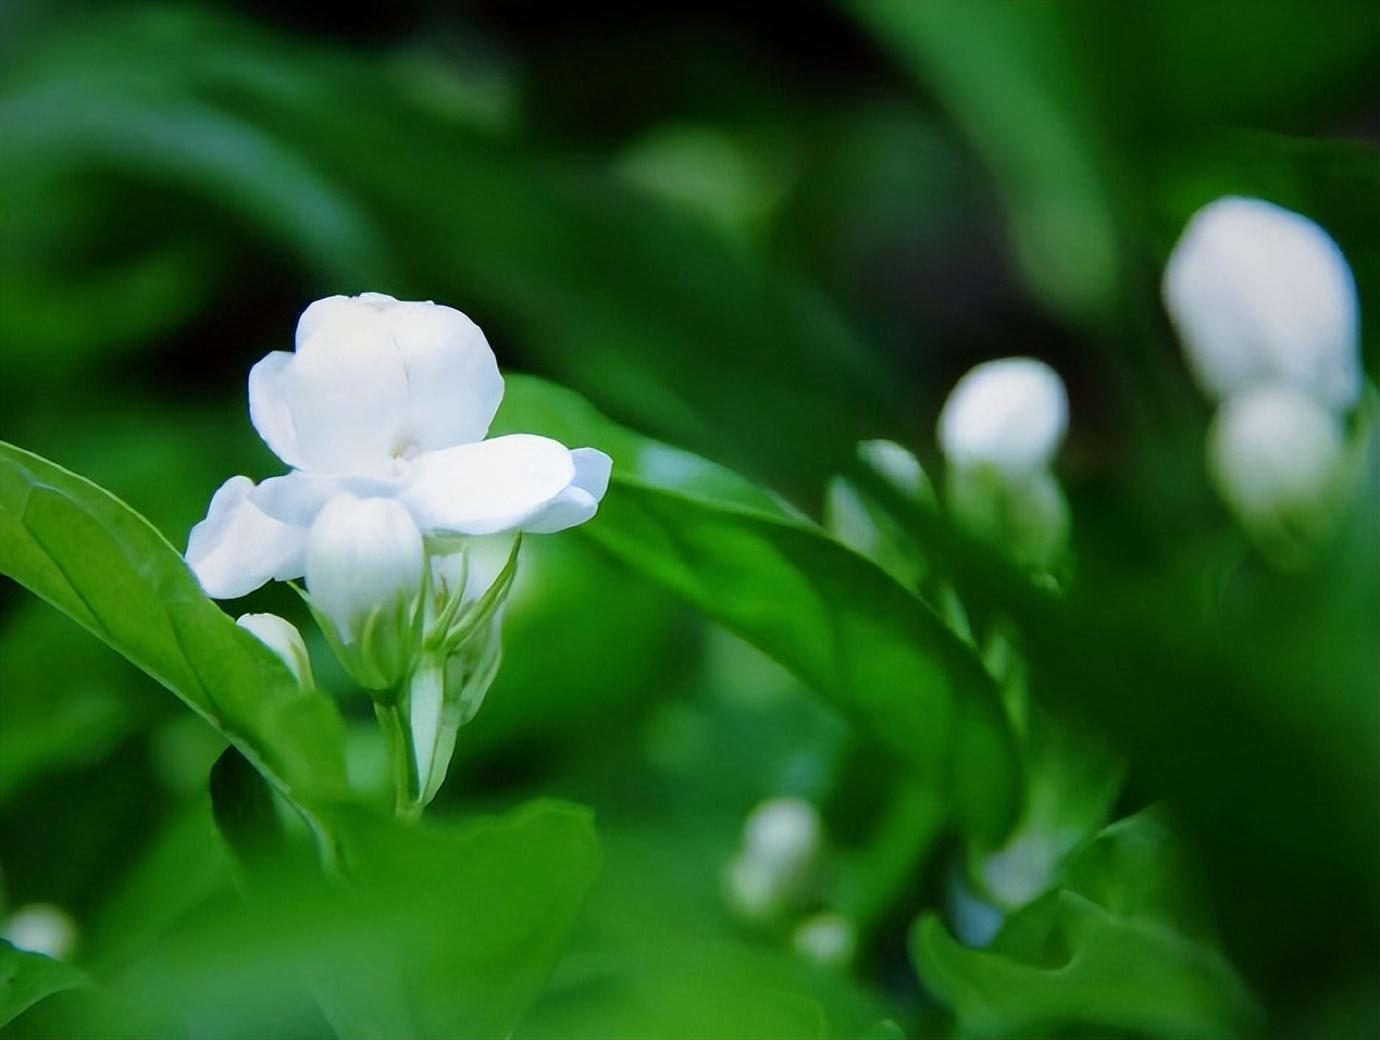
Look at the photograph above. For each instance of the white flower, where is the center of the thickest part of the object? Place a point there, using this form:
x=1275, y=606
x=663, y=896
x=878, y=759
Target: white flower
x=1010, y=415
x=1276, y=456
x=1261, y=294
x=281, y=636
x=385, y=400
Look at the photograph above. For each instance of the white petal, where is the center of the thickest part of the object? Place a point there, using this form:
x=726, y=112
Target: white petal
x=347, y=390
x=580, y=501
x=1260, y=294
x=570, y=508
x=297, y=497
x=490, y=486
x=238, y=547
x=268, y=406
x=592, y=471
x=454, y=387
x=1011, y=414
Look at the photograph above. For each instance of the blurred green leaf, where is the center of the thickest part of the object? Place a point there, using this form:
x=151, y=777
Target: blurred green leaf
x=1121, y=945
x=26, y=978
x=103, y=565
x=435, y=930
x=837, y=621
x=1007, y=73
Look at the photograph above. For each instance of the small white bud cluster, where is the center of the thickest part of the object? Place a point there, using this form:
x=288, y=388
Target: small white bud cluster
x=775, y=868
x=1266, y=307
x=1000, y=430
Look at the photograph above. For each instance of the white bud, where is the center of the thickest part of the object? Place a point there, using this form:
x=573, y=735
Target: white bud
x=784, y=832
x=1276, y=456
x=42, y=928
x=363, y=555
x=775, y=866
x=1010, y=414
x=826, y=938
x=1260, y=294
x=282, y=637
x=898, y=466
x=365, y=567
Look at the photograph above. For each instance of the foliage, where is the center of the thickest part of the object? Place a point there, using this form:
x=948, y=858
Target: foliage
x=1137, y=797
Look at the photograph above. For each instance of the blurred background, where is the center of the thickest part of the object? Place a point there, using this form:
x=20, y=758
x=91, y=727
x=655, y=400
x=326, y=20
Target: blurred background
x=758, y=233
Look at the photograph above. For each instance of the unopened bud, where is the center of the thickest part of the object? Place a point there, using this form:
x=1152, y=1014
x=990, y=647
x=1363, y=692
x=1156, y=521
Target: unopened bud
x=1010, y=415
x=1260, y=294
x=365, y=561
x=42, y=928
x=827, y=938
x=1276, y=456
x=282, y=637
x=775, y=866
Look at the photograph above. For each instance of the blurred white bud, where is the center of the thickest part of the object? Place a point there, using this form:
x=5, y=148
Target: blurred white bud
x=1276, y=456
x=784, y=832
x=1010, y=415
x=826, y=938
x=898, y=466
x=365, y=561
x=776, y=863
x=281, y=636
x=1261, y=294
x=42, y=928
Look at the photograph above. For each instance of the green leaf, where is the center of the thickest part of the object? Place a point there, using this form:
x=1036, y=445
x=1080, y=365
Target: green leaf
x=432, y=930
x=26, y=978
x=100, y=563
x=833, y=618
x=1005, y=72
x=1122, y=944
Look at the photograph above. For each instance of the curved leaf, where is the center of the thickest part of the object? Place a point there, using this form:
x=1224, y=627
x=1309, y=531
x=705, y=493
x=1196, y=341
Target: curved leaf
x=832, y=617
x=1123, y=944
x=436, y=930
x=26, y=978
x=100, y=563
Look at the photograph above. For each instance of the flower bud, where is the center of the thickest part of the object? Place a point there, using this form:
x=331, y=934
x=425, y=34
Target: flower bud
x=365, y=561
x=1010, y=415
x=827, y=938
x=42, y=928
x=1260, y=294
x=282, y=637
x=776, y=864
x=1276, y=456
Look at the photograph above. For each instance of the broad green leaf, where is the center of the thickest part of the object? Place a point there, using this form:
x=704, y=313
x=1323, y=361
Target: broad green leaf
x=429, y=930
x=103, y=565
x=1007, y=74
x=26, y=978
x=1121, y=945
x=832, y=617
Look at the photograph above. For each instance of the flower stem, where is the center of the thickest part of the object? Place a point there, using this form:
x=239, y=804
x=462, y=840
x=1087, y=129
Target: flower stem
x=407, y=803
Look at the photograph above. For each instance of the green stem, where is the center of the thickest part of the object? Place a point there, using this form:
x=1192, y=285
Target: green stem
x=398, y=741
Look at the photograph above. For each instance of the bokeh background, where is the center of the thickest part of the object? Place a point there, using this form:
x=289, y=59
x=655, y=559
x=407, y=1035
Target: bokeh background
x=761, y=233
